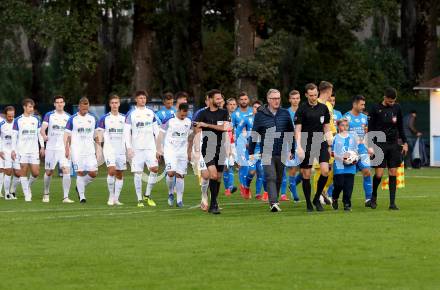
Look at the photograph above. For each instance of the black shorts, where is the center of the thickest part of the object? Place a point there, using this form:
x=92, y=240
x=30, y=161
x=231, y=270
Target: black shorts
x=215, y=162
x=392, y=156
x=309, y=156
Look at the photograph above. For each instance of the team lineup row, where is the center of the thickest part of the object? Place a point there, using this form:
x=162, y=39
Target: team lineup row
x=145, y=136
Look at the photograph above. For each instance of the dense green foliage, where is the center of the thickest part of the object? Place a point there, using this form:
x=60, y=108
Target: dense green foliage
x=84, y=47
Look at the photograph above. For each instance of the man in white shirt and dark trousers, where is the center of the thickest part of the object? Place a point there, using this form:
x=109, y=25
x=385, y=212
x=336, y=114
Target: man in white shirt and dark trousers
x=55, y=123
x=79, y=141
x=140, y=133
x=25, y=140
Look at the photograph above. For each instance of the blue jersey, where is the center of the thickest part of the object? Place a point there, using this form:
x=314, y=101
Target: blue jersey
x=239, y=122
x=165, y=114
x=336, y=116
x=358, y=125
x=340, y=146
x=292, y=115
x=250, y=124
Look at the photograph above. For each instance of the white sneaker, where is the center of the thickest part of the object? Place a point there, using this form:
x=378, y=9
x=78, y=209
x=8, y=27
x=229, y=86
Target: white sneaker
x=14, y=196
x=67, y=200
x=110, y=202
x=275, y=207
x=8, y=196
x=45, y=198
x=117, y=202
x=28, y=198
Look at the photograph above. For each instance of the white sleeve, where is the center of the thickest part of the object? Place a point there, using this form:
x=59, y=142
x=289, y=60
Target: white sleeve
x=14, y=140
x=155, y=129
x=127, y=136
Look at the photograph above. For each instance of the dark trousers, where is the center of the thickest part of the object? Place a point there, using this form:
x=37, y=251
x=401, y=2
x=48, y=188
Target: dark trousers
x=343, y=182
x=273, y=174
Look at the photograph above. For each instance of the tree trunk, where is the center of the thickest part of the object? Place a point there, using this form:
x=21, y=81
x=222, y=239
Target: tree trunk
x=408, y=30
x=142, y=47
x=196, y=50
x=244, y=42
x=426, y=40
x=38, y=55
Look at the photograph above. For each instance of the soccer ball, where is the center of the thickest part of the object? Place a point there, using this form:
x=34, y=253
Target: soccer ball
x=352, y=158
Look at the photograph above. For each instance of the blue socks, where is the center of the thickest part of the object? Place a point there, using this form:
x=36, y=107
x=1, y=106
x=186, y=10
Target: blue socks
x=292, y=185
x=284, y=183
x=368, y=187
x=242, y=174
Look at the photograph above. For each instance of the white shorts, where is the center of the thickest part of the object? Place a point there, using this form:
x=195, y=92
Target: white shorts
x=115, y=160
x=176, y=163
x=84, y=162
x=54, y=157
x=142, y=158
x=29, y=158
x=9, y=163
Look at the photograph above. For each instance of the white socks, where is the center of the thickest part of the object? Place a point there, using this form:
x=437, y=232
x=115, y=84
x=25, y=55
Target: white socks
x=25, y=185
x=7, y=183
x=205, y=185
x=151, y=181
x=81, y=183
x=2, y=176
x=170, y=184
x=118, y=187
x=111, y=187
x=66, y=184
x=179, y=188
x=15, y=182
x=138, y=185
x=31, y=181
x=47, y=180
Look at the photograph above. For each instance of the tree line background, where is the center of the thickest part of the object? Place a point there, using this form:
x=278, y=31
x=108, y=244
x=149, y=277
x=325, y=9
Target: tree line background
x=100, y=47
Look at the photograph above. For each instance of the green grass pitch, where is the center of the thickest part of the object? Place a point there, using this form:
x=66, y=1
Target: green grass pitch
x=92, y=246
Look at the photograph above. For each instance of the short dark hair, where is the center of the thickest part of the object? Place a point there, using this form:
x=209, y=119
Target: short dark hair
x=357, y=98
x=390, y=93
x=140, y=93
x=324, y=85
x=257, y=102
x=213, y=92
x=84, y=101
x=310, y=86
x=413, y=111
x=168, y=96
x=183, y=107
x=182, y=94
x=9, y=108
x=28, y=101
x=242, y=94
x=57, y=97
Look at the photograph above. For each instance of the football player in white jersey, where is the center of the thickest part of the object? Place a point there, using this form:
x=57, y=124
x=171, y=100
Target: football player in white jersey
x=9, y=166
x=79, y=143
x=25, y=140
x=55, y=123
x=111, y=132
x=140, y=133
x=175, y=134
x=2, y=169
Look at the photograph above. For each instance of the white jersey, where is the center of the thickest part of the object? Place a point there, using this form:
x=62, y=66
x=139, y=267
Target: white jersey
x=26, y=134
x=113, y=127
x=56, y=124
x=141, y=129
x=176, y=136
x=82, y=130
x=6, y=136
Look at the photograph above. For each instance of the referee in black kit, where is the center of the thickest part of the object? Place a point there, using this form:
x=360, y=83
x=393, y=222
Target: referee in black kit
x=386, y=117
x=312, y=119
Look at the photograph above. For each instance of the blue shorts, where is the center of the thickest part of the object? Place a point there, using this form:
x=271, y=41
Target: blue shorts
x=364, y=162
x=242, y=152
x=293, y=162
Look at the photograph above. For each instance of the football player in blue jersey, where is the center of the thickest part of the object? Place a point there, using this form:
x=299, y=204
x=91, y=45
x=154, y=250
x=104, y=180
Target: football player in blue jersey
x=167, y=111
x=358, y=123
x=291, y=168
x=336, y=114
x=240, y=127
x=228, y=173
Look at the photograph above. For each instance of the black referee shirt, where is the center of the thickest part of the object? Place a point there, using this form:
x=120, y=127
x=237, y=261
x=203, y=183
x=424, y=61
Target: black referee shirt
x=387, y=119
x=312, y=118
x=217, y=117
